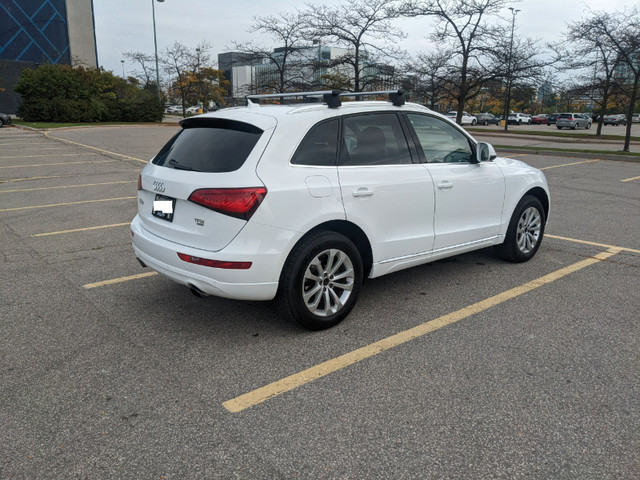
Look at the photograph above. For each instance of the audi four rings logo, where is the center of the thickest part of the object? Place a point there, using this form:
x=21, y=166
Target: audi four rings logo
x=158, y=186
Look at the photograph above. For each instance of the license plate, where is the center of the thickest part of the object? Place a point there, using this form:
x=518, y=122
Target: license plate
x=163, y=207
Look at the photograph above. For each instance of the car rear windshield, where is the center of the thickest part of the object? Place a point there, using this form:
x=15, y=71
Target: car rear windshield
x=210, y=145
x=565, y=115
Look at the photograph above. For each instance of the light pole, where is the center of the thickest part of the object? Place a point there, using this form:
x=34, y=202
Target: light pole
x=122, y=62
x=155, y=43
x=514, y=12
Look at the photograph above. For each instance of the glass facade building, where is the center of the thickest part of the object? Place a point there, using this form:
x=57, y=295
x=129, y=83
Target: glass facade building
x=34, y=31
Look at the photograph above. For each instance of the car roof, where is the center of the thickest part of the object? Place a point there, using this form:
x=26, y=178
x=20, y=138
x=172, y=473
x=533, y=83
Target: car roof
x=268, y=116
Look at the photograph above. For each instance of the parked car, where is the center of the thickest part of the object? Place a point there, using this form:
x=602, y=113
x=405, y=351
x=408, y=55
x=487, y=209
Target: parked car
x=466, y=118
x=193, y=110
x=635, y=118
x=4, y=120
x=487, y=119
x=551, y=119
x=519, y=119
x=174, y=109
x=615, y=120
x=302, y=202
x=540, y=119
x=573, y=120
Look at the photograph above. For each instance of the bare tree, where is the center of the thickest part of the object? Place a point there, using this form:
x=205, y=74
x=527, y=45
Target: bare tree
x=430, y=77
x=145, y=71
x=364, y=29
x=282, y=68
x=595, y=62
x=182, y=64
x=463, y=25
x=621, y=30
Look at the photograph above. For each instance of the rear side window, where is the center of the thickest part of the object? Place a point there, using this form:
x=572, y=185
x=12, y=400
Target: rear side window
x=320, y=146
x=209, y=145
x=374, y=139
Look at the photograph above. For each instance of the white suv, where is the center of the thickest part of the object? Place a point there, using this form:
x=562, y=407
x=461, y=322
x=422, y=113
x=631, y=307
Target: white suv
x=301, y=202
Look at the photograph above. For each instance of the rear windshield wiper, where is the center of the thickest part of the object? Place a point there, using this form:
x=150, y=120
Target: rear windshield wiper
x=175, y=164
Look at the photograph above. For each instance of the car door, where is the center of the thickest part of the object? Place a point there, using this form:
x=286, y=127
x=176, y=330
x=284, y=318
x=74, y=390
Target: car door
x=385, y=190
x=469, y=196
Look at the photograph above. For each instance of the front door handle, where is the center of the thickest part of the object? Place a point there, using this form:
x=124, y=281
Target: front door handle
x=445, y=185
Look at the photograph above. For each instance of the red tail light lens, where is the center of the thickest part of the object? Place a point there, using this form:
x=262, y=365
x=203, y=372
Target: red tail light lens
x=205, y=262
x=139, y=182
x=236, y=202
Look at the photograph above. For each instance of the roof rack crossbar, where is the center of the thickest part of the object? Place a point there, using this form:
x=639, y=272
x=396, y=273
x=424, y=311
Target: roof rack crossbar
x=332, y=97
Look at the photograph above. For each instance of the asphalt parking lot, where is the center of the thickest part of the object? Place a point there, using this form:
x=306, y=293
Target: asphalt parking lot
x=465, y=368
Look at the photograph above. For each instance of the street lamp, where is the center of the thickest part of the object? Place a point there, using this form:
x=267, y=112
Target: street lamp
x=514, y=12
x=155, y=43
x=122, y=62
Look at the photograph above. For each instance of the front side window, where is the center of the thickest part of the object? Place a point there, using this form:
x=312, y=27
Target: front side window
x=374, y=139
x=441, y=142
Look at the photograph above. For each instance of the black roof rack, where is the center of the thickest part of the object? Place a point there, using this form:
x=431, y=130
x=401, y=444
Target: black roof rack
x=332, y=97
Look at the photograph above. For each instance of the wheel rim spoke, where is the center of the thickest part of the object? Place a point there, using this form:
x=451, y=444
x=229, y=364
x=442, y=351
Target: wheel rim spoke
x=529, y=229
x=328, y=282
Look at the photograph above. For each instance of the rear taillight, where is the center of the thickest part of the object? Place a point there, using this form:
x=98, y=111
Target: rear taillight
x=139, y=182
x=236, y=202
x=206, y=262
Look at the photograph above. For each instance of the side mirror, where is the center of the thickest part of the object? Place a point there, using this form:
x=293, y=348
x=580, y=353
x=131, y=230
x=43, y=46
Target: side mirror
x=485, y=152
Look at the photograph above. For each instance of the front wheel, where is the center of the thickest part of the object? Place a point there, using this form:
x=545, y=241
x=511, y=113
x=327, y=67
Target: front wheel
x=320, y=281
x=525, y=231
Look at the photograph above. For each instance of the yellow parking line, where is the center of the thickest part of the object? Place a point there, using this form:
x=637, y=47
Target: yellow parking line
x=86, y=229
x=66, y=186
x=569, y=164
x=56, y=164
x=630, y=179
x=97, y=149
x=594, y=244
x=38, y=156
x=66, y=204
x=113, y=281
x=45, y=177
x=279, y=387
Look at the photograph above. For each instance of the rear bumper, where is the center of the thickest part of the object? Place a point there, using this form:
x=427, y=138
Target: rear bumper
x=259, y=244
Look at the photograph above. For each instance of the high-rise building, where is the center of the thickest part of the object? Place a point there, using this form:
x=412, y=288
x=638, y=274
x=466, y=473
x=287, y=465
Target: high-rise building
x=36, y=32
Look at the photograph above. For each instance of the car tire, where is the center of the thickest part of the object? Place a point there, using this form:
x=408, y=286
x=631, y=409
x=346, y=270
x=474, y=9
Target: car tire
x=485, y=123
x=1, y=123
x=473, y=123
x=559, y=128
x=575, y=126
x=525, y=232
x=321, y=280
x=589, y=126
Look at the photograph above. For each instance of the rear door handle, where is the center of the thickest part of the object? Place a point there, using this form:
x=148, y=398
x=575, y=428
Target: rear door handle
x=362, y=192
x=445, y=185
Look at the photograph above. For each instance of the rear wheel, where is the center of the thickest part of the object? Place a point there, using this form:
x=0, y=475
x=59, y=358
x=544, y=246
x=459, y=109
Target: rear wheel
x=525, y=231
x=320, y=281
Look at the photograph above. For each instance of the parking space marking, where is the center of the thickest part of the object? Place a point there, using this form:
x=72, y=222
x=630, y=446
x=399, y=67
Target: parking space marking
x=65, y=186
x=66, y=204
x=593, y=244
x=76, y=230
x=46, y=177
x=113, y=281
x=630, y=179
x=38, y=156
x=96, y=149
x=296, y=380
x=570, y=164
x=58, y=163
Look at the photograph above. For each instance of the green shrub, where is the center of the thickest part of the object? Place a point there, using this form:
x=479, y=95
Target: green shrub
x=60, y=93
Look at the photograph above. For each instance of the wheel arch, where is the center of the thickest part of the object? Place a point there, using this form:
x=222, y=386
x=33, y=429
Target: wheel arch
x=541, y=195
x=353, y=233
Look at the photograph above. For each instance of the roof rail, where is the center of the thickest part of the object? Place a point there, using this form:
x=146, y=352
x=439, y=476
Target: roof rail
x=332, y=97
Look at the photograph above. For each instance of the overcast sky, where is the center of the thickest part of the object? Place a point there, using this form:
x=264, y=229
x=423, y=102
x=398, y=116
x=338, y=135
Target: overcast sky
x=127, y=25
